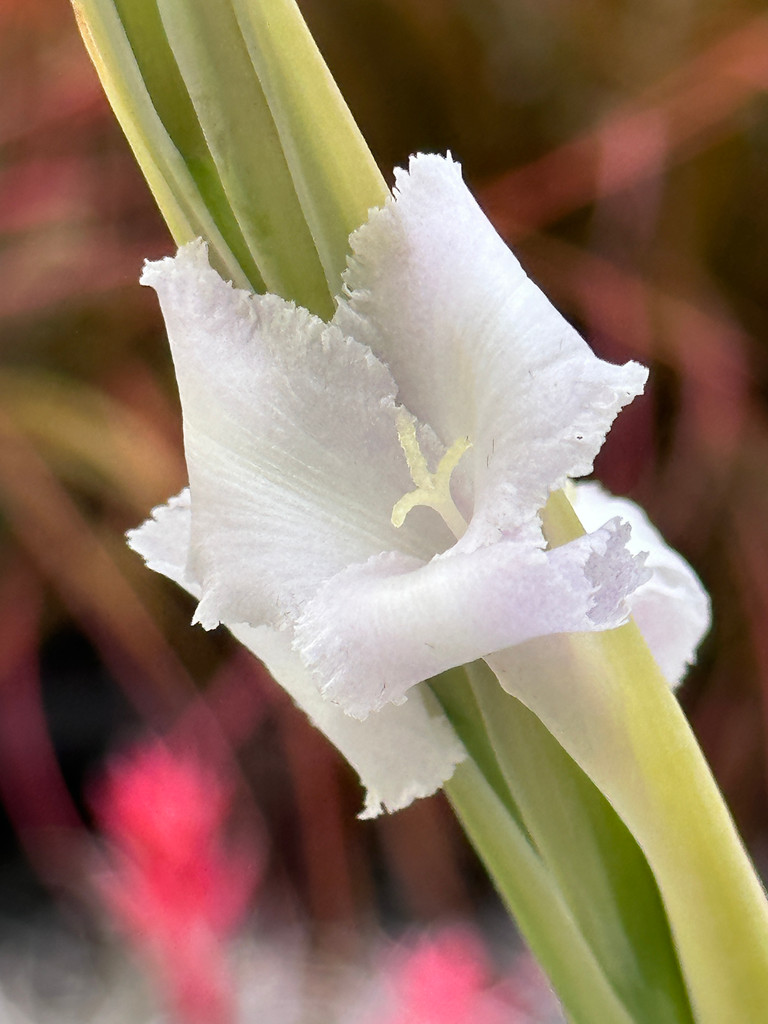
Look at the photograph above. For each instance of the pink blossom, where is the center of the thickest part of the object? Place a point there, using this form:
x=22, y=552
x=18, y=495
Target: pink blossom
x=174, y=886
x=449, y=978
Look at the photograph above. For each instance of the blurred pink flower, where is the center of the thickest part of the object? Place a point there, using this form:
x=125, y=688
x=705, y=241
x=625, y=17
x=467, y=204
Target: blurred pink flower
x=449, y=979
x=174, y=886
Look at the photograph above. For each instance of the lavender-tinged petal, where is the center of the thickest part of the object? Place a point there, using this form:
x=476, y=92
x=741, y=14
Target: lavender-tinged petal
x=672, y=608
x=375, y=630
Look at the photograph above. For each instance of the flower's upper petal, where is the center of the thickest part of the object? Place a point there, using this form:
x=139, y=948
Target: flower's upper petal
x=476, y=349
x=291, y=444
x=672, y=609
x=375, y=630
x=400, y=753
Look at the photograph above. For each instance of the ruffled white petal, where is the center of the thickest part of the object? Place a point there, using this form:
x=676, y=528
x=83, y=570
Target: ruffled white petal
x=672, y=608
x=291, y=445
x=400, y=753
x=477, y=350
x=375, y=630
x=163, y=541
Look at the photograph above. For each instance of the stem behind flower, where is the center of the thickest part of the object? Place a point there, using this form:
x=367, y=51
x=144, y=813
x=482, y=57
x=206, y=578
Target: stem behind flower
x=541, y=912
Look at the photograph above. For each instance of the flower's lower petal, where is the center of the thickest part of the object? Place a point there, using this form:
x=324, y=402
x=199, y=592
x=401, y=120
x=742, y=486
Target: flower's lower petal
x=672, y=608
x=291, y=444
x=400, y=753
x=376, y=629
x=476, y=349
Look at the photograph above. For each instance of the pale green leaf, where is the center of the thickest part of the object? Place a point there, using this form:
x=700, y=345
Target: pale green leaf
x=540, y=911
x=238, y=127
x=334, y=174
x=593, y=859
x=189, y=211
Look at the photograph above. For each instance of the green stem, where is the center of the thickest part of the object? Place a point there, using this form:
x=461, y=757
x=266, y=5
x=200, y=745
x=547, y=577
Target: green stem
x=183, y=181
x=527, y=889
x=335, y=176
x=593, y=858
x=235, y=118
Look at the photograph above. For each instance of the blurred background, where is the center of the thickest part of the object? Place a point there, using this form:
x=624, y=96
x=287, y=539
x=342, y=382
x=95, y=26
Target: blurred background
x=621, y=147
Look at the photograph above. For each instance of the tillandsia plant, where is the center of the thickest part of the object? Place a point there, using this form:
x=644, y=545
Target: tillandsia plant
x=382, y=417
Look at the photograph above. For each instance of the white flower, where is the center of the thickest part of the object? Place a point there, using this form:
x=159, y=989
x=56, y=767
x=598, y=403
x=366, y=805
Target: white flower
x=447, y=396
